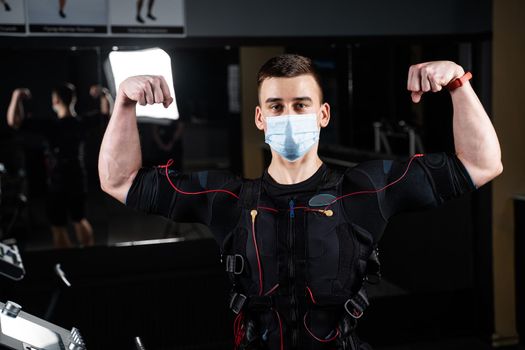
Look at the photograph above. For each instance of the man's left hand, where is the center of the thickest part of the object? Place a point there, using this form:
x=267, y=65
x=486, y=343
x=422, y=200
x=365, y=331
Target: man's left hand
x=431, y=76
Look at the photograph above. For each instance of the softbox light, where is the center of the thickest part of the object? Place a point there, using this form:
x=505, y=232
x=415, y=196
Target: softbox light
x=154, y=61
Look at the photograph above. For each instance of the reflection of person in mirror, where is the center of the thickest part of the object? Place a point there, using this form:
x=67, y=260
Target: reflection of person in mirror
x=67, y=188
x=61, y=5
x=6, y=5
x=300, y=242
x=149, y=14
x=103, y=96
x=95, y=120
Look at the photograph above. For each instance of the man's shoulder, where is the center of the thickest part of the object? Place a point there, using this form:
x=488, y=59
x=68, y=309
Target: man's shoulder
x=368, y=172
x=367, y=166
x=209, y=179
x=219, y=177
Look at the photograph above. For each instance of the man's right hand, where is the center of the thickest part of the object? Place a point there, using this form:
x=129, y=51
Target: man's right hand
x=145, y=90
x=22, y=93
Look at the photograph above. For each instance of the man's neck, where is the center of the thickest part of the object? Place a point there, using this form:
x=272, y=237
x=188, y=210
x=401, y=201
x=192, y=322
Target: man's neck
x=289, y=173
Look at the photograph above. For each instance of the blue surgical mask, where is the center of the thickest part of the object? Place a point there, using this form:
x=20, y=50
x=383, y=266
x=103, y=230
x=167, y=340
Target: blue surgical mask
x=292, y=135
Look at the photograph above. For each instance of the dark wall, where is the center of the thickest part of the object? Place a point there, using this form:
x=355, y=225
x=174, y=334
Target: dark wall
x=212, y=18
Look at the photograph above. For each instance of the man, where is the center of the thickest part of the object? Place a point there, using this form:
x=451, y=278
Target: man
x=66, y=174
x=297, y=241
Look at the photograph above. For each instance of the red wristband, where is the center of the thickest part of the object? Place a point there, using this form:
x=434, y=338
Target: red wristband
x=454, y=84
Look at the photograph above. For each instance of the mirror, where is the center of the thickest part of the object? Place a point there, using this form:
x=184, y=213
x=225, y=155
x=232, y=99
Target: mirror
x=207, y=110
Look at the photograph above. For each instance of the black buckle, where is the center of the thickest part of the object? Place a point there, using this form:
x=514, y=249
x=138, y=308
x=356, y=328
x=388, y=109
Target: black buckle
x=237, y=301
x=232, y=264
x=358, y=303
x=356, y=312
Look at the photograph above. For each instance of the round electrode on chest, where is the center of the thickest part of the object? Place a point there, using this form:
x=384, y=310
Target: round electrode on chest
x=321, y=200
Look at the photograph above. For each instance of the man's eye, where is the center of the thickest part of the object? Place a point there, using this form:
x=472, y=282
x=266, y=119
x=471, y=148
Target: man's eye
x=275, y=107
x=300, y=106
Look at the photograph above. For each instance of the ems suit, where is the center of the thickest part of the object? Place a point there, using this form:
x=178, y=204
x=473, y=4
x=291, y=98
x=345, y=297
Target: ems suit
x=297, y=255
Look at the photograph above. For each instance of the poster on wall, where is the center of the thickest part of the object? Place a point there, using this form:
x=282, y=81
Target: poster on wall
x=67, y=16
x=147, y=17
x=12, y=17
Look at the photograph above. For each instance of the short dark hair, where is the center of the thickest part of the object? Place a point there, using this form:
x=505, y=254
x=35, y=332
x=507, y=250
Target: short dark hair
x=288, y=66
x=66, y=92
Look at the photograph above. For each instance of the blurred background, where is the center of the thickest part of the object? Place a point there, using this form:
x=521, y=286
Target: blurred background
x=454, y=278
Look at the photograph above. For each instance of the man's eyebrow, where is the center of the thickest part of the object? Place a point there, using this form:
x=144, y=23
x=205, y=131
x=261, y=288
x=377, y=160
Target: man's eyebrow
x=273, y=99
x=305, y=98
x=295, y=99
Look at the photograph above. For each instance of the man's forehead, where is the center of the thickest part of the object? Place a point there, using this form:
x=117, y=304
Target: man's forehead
x=300, y=87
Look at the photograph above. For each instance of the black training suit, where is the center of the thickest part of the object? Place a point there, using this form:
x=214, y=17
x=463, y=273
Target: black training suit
x=424, y=182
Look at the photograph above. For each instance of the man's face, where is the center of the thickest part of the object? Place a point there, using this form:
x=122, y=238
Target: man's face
x=55, y=102
x=283, y=96
x=54, y=99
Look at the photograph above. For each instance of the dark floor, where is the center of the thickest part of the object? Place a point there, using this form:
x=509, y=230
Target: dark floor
x=450, y=344
x=112, y=222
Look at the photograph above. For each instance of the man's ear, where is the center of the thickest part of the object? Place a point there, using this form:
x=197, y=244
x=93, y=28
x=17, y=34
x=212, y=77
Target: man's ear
x=325, y=115
x=259, y=119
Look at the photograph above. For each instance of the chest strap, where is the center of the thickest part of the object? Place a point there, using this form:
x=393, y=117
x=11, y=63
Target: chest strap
x=355, y=306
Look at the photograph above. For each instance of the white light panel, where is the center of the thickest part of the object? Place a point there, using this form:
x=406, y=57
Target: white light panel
x=153, y=61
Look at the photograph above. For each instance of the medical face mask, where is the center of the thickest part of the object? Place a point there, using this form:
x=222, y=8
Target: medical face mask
x=292, y=135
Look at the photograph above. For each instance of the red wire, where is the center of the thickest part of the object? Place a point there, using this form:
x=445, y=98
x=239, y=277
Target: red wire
x=381, y=189
x=237, y=330
x=280, y=328
x=272, y=290
x=170, y=162
x=258, y=257
x=311, y=294
x=235, y=325
x=277, y=210
x=299, y=208
x=269, y=209
x=315, y=337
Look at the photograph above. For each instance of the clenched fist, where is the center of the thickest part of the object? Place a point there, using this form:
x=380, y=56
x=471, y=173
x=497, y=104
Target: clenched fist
x=145, y=89
x=431, y=76
x=22, y=93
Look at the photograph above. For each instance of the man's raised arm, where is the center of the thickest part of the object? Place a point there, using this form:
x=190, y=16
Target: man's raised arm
x=120, y=155
x=15, y=111
x=475, y=139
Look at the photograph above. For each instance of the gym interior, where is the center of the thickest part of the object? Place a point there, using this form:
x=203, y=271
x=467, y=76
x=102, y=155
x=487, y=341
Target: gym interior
x=451, y=278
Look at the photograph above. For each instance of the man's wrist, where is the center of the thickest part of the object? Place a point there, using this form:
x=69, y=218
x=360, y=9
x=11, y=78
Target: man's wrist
x=458, y=82
x=17, y=93
x=123, y=100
